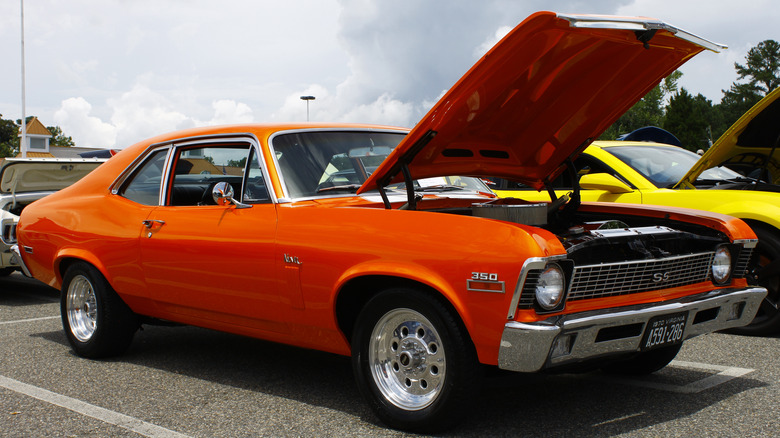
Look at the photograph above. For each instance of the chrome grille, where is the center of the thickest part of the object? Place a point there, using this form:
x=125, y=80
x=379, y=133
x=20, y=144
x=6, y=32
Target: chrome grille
x=743, y=261
x=605, y=280
x=528, y=296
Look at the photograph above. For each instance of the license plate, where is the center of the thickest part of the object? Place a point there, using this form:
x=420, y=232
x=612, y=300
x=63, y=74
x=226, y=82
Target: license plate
x=664, y=330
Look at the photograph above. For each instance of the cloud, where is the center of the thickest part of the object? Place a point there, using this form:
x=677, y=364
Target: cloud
x=88, y=131
x=492, y=41
x=123, y=71
x=138, y=114
x=229, y=111
x=141, y=113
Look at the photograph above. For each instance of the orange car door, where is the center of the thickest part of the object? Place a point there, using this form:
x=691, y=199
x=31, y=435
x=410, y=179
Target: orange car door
x=213, y=262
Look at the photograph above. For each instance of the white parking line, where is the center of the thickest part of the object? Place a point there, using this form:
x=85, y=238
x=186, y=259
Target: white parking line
x=19, y=321
x=723, y=375
x=124, y=421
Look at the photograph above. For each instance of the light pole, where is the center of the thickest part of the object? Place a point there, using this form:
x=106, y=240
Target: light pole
x=307, y=99
x=23, y=140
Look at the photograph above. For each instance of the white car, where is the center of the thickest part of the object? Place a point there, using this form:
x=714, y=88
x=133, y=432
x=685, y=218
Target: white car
x=24, y=180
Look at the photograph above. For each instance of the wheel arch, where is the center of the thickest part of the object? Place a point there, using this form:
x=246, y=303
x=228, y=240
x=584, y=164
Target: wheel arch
x=760, y=223
x=68, y=256
x=355, y=293
x=764, y=214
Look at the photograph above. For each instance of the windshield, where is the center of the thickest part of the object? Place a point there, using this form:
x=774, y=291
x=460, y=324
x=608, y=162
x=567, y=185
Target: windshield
x=327, y=163
x=664, y=166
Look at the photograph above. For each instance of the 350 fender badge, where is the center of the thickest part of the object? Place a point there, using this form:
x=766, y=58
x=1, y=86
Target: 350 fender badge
x=485, y=282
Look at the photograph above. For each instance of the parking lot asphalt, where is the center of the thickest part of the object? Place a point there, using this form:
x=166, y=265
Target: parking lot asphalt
x=191, y=382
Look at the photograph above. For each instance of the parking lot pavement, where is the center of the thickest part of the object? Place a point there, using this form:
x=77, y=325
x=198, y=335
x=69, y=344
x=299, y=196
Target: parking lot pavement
x=185, y=381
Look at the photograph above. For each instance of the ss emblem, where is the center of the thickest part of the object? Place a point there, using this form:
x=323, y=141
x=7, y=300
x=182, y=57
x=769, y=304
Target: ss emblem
x=660, y=277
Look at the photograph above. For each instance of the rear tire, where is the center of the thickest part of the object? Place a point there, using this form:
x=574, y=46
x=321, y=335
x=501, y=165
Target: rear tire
x=96, y=321
x=644, y=363
x=764, y=270
x=413, y=361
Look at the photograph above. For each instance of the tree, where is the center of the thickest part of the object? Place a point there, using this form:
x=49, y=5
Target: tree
x=58, y=138
x=735, y=102
x=762, y=68
x=9, y=140
x=762, y=72
x=690, y=119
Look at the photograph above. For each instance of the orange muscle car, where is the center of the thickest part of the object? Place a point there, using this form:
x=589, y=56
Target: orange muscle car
x=363, y=241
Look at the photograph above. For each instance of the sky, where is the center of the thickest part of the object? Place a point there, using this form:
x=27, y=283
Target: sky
x=114, y=72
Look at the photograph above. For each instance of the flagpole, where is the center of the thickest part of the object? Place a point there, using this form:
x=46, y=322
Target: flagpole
x=23, y=140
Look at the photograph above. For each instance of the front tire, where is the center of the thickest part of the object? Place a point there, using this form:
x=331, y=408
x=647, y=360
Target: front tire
x=644, y=363
x=4, y=272
x=97, y=322
x=413, y=361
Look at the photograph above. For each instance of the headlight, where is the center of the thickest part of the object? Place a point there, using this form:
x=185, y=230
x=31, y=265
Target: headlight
x=721, y=265
x=550, y=287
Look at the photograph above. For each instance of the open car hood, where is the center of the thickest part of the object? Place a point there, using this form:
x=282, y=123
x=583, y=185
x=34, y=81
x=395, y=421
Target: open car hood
x=751, y=143
x=539, y=97
x=45, y=174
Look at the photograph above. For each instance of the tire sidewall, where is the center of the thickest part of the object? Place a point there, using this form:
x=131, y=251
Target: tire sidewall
x=461, y=362
x=644, y=363
x=114, y=321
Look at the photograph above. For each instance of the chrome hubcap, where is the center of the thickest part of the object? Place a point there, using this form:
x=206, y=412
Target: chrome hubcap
x=407, y=359
x=81, y=308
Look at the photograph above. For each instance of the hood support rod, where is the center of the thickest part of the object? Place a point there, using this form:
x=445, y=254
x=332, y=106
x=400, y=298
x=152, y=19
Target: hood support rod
x=402, y=165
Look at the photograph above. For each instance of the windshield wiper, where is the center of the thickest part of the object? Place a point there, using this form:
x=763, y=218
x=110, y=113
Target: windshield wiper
x=735, y=180
x=440, y=188
x=344, y=188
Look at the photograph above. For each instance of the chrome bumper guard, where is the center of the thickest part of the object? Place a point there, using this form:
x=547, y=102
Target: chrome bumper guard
x=18, y=258
x=567, y=339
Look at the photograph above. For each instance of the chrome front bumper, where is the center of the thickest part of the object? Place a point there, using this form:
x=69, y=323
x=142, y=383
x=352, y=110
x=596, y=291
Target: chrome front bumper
x=18, y=258
x=566, y=339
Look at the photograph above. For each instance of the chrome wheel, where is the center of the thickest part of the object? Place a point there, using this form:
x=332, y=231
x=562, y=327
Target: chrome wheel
x=81, y=308
x=407, y=360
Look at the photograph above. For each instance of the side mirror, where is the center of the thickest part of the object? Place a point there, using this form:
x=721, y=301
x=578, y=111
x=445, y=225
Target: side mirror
x=222, y=193
x=604, y=181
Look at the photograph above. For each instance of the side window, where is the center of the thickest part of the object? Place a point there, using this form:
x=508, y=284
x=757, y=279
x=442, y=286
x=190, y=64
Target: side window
x=144, y=185
x=256, y=190
x=196, y=170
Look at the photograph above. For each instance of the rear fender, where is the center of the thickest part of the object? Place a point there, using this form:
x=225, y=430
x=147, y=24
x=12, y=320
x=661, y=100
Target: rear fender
x=61, y=262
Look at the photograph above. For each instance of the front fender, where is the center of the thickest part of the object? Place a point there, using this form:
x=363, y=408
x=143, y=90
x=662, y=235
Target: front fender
x=408, y=271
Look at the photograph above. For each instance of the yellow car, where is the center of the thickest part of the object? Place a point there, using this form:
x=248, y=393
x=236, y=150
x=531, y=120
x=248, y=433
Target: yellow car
x=738, y=176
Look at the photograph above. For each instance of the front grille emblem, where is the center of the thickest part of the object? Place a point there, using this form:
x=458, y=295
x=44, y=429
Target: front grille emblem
x=660, y=277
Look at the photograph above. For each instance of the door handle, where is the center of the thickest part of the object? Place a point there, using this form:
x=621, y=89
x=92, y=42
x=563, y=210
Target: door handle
x=150, y=222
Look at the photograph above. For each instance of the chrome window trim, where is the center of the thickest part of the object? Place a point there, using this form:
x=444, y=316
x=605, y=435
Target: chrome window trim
x=129, y=171
x=287, y=198
x=528, y=265
x=175, y=145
